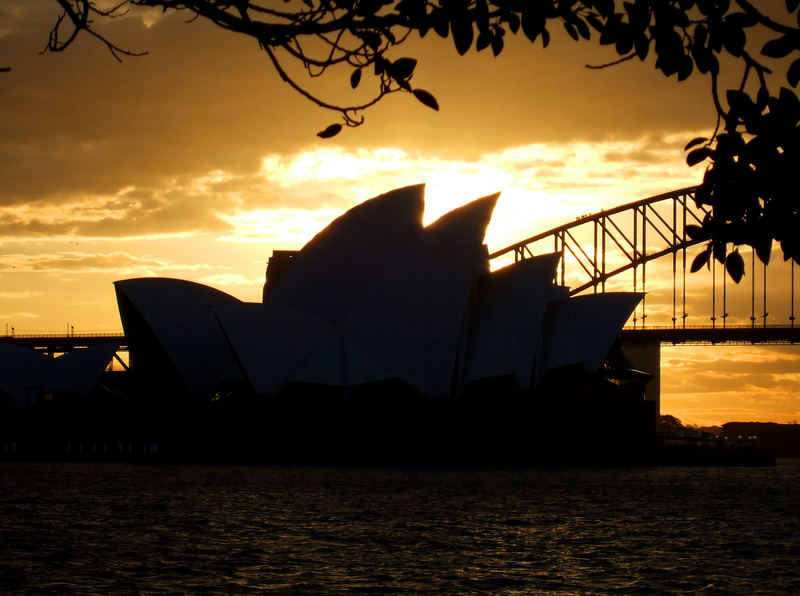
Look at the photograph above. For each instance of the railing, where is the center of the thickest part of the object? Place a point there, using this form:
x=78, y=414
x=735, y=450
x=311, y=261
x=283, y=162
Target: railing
x=709, y=335
x=61, y=335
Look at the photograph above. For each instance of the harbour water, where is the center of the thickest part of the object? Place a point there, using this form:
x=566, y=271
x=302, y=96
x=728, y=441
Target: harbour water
x=128, y=528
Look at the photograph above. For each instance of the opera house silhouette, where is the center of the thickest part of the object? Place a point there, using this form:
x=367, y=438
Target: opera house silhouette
x=374, y=297
x=380, y=341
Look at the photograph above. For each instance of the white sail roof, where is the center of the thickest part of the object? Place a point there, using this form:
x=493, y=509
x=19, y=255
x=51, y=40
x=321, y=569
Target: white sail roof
x=178, y=313
x=583, y=328
x=415, y=309
x=508, y=331
x=336, y=265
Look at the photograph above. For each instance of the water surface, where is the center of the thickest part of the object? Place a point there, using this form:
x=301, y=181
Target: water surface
x=89, y=528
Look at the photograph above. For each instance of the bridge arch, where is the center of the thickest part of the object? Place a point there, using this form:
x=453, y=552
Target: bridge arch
x=601, y=248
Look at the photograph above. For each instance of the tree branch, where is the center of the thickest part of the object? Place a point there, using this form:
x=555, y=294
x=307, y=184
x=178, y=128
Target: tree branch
x=625, y=58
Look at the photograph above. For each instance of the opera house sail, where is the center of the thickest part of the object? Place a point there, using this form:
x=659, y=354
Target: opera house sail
x=375, y=297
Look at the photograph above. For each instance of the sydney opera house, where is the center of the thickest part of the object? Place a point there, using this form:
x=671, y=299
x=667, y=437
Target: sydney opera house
x=375, y=297
x=379, y=311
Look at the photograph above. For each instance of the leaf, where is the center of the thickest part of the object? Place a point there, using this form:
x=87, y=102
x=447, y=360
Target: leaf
x=625, y=40
x=609, y=34
x=642, y=45
x=695, y=232
x=734, y=265
x=380, y=65
x=700, y=260
x=481, y=12
x=741, y=19
x=604, y=7
x=426, y=98
x=331, y=131
x=791, y=249
x=402, y=68
x=596, y=24
x=698, y=155
x=762, y=98
x=789, y=107
x=497, y=44
x=638, y=15
x=685, y=68
x=513, y=22
x=355, y=78
x=533, y=21
x=570, y=28
x=484, y=40
x=583, y=29
x=793, y=74
x=700, y=36
x=461, y=26
x=440, y=23
x=719, y=251
x=779, y=47
x=706, y=61
x=372, y=39
x=741, y=104
x=695, y=141
x=764, y=249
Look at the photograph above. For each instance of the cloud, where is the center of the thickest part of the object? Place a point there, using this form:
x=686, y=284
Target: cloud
x=87, y=303
x=322, y=182
x=120, y=263
x=19, y=315
x=18, y=295
x=716, y=384
x=229, y=279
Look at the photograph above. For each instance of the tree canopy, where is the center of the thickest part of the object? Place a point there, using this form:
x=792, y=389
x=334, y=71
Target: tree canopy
x=750, y=54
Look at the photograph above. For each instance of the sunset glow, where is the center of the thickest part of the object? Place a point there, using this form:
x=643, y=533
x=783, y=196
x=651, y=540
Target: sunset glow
x=195, y=162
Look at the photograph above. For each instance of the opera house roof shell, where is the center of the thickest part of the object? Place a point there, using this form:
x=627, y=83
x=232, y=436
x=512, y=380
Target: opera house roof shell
x=375, y=296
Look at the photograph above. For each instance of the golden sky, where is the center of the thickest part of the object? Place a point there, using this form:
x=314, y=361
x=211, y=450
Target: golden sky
x=195, y=161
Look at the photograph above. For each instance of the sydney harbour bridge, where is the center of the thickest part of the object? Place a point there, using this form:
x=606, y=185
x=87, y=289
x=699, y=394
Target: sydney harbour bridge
x=641, y=246
x=615, y=249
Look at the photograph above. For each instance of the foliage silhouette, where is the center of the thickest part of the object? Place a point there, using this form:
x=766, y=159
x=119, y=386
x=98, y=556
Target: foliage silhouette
x=751, y=155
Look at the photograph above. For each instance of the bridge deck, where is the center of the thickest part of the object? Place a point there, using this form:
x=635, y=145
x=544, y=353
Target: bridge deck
x=63, y=342
x=731, y=335
x=698, y=335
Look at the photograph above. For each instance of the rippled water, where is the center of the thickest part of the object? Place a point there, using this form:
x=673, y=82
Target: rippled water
x=92, y=528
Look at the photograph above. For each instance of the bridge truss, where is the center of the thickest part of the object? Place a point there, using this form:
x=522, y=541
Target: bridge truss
x=611, y=250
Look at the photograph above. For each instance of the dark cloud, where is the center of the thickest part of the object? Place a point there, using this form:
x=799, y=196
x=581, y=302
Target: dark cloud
x=204, y=99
